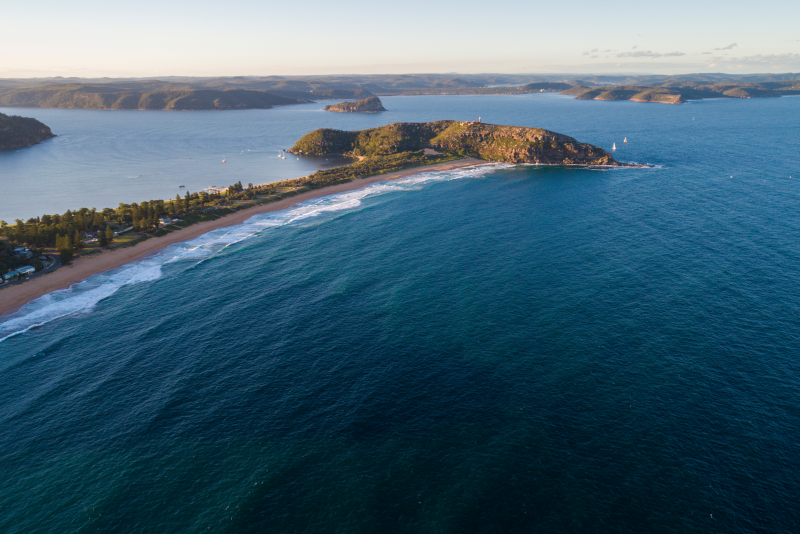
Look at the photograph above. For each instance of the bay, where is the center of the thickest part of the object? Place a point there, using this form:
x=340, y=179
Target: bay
x=503, y=349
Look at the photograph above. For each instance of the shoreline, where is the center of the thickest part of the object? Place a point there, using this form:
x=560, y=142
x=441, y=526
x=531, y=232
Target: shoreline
x=13, y=298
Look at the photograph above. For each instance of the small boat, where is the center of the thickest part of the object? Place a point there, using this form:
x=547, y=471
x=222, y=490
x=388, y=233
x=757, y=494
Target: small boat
x=223, y=159
x=614, y=147
x=625, y=140
x=181, y=185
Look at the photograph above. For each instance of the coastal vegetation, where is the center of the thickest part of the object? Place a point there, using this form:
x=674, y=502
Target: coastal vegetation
x=370, y=104
x=18, y=132
x=510, y=144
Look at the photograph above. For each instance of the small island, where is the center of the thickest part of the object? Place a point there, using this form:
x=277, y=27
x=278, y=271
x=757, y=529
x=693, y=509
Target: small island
x=19, y=132
x=370, y=104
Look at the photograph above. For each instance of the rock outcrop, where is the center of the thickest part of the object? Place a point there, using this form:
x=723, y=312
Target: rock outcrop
x=510, y=144
x=370, y=104
x=18, y=132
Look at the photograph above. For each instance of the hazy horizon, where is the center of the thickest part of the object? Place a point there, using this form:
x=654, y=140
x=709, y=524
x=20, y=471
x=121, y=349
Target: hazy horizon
x=90, y=39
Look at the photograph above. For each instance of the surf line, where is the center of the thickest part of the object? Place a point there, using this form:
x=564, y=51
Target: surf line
x=15, y=297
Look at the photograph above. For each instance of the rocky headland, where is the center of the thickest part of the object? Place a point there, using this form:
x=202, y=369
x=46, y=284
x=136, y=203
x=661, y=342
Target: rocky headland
x=370, y=104
x=490, y=142
x=18, y=132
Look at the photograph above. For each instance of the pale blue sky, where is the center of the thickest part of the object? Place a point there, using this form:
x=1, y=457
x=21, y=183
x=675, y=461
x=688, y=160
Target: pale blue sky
x=238, y=37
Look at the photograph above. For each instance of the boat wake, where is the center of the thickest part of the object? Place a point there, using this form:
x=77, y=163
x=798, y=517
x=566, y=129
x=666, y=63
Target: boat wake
x=82, y=297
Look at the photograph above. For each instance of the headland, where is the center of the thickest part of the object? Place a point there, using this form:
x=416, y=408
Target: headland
x=19, y=132
x=383, y=153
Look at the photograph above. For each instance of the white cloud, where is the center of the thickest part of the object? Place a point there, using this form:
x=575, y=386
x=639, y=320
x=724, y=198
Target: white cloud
x=593, y=57
x=787, y=60
x=729, y=47
x=649, y=53
x=594, y=50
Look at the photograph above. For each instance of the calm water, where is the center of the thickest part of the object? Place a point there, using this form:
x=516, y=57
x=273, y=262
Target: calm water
x=503, y=349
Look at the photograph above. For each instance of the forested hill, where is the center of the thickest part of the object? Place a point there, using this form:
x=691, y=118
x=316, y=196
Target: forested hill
x=18, y=132
x=511, y=144
x=371, y=104
x=110, y=96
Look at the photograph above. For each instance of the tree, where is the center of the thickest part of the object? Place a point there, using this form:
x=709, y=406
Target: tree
x=77, y=241
x=109, y=234
x=102, y=240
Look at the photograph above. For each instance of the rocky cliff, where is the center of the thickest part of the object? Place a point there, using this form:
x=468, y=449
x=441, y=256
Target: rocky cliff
x=17, y=132
x=370, y=104
x=511, y=144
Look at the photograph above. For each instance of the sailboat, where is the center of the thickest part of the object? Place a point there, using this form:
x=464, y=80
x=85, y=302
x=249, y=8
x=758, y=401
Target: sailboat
x=625, y=140
x=614, y=147
x=223, y=159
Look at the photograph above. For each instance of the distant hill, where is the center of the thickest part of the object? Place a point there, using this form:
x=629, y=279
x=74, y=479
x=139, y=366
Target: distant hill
x=80, y=96
x=511, y=144
x=18, y=132
x=371, y=104
x=679, y=91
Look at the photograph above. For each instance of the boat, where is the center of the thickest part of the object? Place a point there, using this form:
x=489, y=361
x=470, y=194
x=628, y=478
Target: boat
x=181, y=185
x=223, y=159
x=614, y=147
x=625, y=140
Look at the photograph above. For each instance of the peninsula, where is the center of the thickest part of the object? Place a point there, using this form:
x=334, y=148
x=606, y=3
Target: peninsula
x=490, y=142
x=99, y=240
x=18, y=132
x=370, y=104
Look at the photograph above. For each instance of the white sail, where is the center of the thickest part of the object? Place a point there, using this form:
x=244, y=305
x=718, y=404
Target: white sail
x=614, y=147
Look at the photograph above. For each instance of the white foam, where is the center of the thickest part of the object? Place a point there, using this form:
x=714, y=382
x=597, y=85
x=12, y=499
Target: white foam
x=84, y=296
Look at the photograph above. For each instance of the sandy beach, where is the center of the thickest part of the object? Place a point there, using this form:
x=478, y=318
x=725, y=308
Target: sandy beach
x=12, y=298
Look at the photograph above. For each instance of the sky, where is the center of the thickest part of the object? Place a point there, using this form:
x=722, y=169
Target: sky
x=260, y=38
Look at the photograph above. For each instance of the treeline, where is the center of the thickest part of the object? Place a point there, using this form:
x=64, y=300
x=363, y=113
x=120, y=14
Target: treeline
x=67, y=232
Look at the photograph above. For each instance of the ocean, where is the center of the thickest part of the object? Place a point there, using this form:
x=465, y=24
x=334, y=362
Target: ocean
x=492, y=349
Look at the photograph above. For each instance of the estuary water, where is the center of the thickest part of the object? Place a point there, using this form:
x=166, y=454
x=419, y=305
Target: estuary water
x=493, y=349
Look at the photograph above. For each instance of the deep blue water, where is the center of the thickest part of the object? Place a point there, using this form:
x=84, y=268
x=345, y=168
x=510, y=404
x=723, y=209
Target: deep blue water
x=503, y=349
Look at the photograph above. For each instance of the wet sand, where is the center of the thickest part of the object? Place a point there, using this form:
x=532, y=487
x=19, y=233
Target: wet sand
x=12, y=298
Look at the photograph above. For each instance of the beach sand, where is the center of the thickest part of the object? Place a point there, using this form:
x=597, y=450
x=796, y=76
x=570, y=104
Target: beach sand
x=14, y=297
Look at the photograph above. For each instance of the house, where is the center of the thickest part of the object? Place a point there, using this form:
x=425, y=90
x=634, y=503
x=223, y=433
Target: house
x=19, y=272
x=23, y=252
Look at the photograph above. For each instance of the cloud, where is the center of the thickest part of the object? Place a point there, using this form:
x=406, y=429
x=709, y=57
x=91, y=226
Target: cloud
x=705, y=52
x=593, y=57
x=788, y=60
x=729, y=47
x=609, y=50
x=635, y=47
x=649, y=53
x=594, y=50
x=587, y=53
